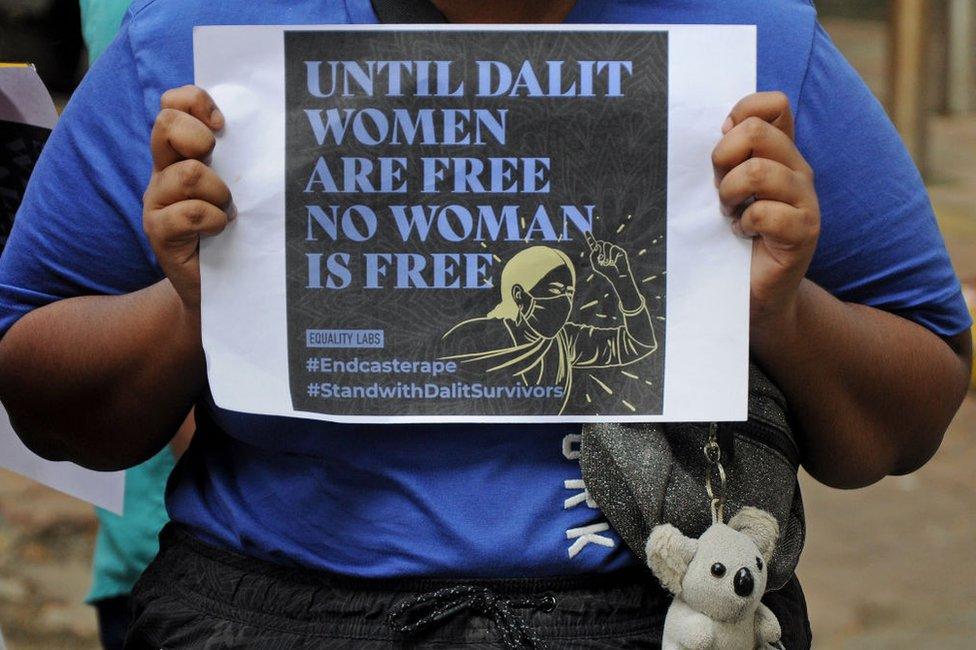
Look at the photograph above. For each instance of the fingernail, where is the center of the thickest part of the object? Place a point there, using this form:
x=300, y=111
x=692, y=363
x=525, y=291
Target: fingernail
x=217, y=118
x=727, y=125
x=231, y=211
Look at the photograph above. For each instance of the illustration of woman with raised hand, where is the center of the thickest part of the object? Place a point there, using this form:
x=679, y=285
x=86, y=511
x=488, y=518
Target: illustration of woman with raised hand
x=529, y=334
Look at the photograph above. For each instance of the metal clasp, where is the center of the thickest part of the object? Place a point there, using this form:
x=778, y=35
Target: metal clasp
x=713, y=454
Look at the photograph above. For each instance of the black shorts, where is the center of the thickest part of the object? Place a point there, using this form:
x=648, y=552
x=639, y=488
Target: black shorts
x=197, y=596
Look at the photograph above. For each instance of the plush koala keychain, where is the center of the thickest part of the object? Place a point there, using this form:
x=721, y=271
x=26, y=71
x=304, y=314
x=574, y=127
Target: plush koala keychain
x=717, y=581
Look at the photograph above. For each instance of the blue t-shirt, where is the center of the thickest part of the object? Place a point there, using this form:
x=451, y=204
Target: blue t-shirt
x=459, y=500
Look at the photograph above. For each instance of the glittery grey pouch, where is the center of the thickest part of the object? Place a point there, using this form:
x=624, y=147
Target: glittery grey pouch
x=644, y=474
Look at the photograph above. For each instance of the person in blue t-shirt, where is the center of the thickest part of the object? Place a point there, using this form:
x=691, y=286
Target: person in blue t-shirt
x=295, y=533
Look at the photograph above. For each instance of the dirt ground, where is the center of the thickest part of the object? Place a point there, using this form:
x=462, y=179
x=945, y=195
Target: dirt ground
x=889, y=567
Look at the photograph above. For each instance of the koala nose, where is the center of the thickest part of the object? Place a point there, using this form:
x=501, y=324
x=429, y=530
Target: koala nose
x=743, y=582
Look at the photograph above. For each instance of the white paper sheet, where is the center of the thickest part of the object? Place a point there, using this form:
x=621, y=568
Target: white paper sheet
x=244, y=279
x=103, y=489
x=24, y=100
x=23, y=97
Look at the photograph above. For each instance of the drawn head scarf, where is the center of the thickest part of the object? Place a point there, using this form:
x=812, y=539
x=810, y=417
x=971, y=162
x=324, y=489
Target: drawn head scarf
x=526, y=269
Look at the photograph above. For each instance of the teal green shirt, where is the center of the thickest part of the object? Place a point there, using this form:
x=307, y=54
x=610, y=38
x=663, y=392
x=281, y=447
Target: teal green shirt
x=126, y=545
x=100, y=21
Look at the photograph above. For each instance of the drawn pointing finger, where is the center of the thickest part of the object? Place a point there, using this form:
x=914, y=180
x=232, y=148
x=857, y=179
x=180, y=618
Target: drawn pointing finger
x=590, y=240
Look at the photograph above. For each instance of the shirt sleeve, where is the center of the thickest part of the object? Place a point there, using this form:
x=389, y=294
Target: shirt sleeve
x=880, y=244
x=79, y=228
x=604, y=347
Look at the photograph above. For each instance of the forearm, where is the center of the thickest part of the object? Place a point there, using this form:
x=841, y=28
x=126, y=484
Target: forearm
x=872, y=392
x=634, y=312
x=104, y=381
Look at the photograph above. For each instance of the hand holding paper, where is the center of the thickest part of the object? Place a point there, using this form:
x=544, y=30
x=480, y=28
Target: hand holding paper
x=768, y=187
x=185, y=200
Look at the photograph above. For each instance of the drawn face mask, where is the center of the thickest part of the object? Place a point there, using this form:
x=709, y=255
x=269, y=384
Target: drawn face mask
x=546, y=316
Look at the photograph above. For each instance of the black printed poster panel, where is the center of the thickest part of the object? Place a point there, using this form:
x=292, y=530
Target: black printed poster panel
x=20, y=147
x=475, y=222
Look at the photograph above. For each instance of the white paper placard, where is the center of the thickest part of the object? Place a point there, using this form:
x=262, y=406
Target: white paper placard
x=103, y=489
x=24, y=101
x=260, y=356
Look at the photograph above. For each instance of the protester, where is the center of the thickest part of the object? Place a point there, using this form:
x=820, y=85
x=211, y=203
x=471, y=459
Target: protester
x=293, y=533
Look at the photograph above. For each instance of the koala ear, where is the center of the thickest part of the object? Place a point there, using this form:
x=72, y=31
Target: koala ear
x=758, y=525
x=668, y=555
